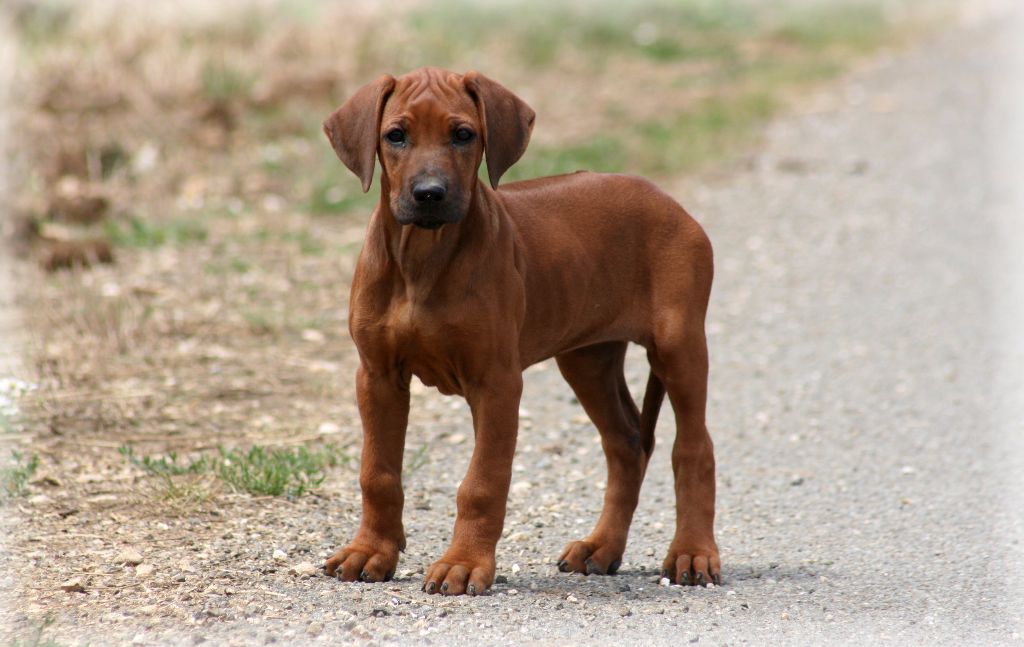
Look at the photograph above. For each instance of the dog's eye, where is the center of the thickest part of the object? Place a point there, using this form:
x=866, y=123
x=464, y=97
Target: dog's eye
x=462, y=135
x=395, y=136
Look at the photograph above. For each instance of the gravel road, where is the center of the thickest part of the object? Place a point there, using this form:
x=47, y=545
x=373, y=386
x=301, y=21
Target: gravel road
x=866, y=402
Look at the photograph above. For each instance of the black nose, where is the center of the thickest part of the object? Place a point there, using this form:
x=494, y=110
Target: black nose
x=428, y=191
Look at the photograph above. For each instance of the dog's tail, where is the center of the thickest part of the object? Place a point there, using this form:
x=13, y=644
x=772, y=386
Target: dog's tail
x=653, y=397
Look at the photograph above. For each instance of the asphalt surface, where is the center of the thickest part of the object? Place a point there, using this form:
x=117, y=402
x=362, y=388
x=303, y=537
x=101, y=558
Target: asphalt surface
x=866, y=401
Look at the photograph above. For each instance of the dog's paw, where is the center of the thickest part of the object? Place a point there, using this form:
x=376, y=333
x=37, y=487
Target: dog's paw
x=692, y=564
x=357, y=562
x=456, y=575
x=591, y=558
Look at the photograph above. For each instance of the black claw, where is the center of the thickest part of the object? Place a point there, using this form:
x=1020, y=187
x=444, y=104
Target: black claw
x=471, y=589
x=613, y=568
x=665, y=573
x=684, y=579
x=563, y=566
x=717, y=579
x=431, y=587
x=363, y=576
x=699, y=579
x=593, y=568
x=339, y=573
x=390, y=575
x=444, y=587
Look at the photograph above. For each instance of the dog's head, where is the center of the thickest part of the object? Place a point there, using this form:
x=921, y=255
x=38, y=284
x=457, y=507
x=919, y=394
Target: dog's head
x=431, y=128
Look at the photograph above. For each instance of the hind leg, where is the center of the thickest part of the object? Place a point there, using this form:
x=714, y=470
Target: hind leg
x=681, y=361
x=595, y=374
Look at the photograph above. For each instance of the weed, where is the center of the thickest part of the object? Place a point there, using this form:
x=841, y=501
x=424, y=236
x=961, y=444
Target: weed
x=165, y=465
x=222, y=82
x=417, y=460
x=14, y=478
x=274, y=472
x=260, y=471
x=260, y=322
x=151, y=234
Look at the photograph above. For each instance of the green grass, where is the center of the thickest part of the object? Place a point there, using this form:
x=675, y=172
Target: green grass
x=602, y=153
x=417, y=459
x=15, y=476
x=856, y=26
x=149, y=234
x=222, y=82
x=275, y=472
x=258, y=470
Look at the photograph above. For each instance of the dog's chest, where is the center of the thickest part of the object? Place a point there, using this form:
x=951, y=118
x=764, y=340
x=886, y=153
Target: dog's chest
x=422, y=341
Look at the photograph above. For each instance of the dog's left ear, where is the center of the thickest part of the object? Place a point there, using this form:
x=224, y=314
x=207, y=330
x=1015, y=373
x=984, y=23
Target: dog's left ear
x=507, y=123
x=353, y=128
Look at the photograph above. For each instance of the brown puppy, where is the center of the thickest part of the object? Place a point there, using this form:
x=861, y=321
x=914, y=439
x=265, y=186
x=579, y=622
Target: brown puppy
x=464, y=285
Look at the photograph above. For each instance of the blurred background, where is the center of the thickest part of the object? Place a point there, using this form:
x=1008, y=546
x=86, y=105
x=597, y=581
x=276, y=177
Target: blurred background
x=178, y=146
x=182, y=241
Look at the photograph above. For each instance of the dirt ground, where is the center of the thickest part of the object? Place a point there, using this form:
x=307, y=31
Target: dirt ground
x=222, y=323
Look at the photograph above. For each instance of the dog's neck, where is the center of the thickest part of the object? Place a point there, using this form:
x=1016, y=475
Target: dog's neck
x=420, y=258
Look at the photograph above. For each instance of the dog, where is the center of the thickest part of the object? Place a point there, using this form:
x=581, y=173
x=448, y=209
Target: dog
x=464, y=284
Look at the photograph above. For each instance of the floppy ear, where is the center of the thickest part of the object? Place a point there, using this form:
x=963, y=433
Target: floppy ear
x=353, y=128
x=507, y=122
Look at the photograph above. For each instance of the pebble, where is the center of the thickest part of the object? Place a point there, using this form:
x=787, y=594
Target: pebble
x=279, y=555
x=74, y=585
x=129, y=556
x=304, y=569
x=664, y=582
x=315, y=628
x=515, y=569
x=144, y=570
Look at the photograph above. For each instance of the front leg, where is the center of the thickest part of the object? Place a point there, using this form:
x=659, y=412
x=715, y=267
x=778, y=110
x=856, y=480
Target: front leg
x=373, y=553
x=468, y=564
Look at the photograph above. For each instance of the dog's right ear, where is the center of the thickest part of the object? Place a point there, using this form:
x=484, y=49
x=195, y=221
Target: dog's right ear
x=354, y=127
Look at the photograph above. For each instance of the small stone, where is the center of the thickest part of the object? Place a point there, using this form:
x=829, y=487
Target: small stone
x=315, y=628
x=625, y=611
x=513, y=591
x=571, y=598
x=327, y=428
x=664, y=582
x=129, y=556
x=515, y=569
x=501, y=579
x=303, y=569
x=39, y=499
x=144, y=570
x=74, y=585
x=279, y=555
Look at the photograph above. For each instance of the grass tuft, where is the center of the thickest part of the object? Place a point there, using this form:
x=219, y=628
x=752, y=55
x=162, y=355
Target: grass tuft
x=14, y=477
x=258, y=470
x=150, y=234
